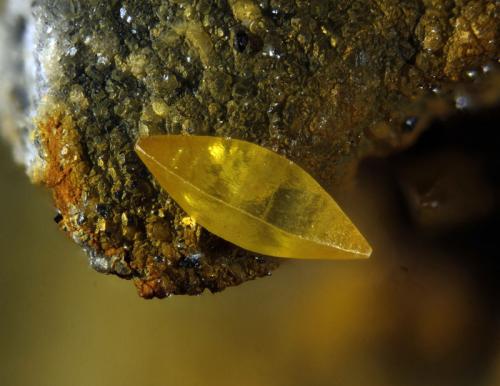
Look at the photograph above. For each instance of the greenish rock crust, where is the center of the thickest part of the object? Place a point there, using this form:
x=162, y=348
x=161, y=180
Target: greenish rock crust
x=325, y=83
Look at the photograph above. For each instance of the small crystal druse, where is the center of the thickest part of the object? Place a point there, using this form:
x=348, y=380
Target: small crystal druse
x=323, y=83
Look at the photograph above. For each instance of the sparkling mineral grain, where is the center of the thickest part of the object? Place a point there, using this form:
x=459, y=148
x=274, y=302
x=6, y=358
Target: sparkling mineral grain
x=323, y=83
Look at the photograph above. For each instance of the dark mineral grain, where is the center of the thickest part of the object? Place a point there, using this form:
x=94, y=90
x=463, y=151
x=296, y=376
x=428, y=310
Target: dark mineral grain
x=325, y=83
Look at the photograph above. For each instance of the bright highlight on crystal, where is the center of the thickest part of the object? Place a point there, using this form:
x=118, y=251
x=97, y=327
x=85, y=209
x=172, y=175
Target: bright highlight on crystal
x=252, y=197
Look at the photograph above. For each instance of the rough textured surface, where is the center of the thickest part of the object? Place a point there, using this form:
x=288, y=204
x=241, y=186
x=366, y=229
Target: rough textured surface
x=324, y=83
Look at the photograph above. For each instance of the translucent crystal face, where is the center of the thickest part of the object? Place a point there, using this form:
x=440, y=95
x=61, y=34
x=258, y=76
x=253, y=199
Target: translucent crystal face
x=252, y=197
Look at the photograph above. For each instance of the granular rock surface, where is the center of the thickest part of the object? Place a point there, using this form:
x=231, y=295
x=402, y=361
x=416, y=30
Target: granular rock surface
x=324, y=83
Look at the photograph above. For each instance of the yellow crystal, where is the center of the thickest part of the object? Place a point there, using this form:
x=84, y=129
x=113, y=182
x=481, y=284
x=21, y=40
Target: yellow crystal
x=251, y=197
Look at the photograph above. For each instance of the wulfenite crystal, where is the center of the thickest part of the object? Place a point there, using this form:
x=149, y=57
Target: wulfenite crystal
x=252, y=197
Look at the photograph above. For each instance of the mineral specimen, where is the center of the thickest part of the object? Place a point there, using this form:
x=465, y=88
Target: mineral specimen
x=324, y=83
x=251, y=197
